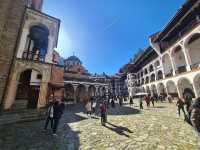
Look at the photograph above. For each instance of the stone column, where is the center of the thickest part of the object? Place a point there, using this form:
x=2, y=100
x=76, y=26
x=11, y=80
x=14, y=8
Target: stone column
x=195, y=90
x=75, y=87
x=11, y=94
x=42, y=100
x=22, y=45
x=187, y=57
x=161, y=64
x=173, y=64
x=49, y=54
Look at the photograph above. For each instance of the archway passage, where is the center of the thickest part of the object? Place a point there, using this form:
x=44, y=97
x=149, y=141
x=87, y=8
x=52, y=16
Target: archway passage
x=161, y=89
x=151, y=68
x=153, y=89
x=185, y=87
x=69, y=93
x=159, y=75
x=153, y=77
x=179, y=59
x=148, y=90
x=81, y=94
x=167, y=65
x=103, y=90
x=172, y=89
x=143, y=89
x=193, y=46
x=197, y=84
x=147, y=80
x=28, y=90
x=91, y=91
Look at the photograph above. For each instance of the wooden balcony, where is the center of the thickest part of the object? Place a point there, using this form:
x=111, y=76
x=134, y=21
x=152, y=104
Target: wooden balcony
x=35, y=56
x=195, y=66
x=181, y=69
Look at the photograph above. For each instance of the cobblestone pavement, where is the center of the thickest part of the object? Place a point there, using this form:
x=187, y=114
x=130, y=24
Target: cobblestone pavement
x=128, y=128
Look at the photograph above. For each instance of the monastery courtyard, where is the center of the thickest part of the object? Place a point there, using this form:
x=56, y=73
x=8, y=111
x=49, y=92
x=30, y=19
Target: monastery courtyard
x=128, y=129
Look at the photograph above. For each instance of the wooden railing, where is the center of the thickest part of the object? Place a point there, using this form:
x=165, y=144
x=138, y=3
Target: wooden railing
x=29, y=55
x=181, y=69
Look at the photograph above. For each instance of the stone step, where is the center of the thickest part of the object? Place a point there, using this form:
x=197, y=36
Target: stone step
x=19, y=104
x=24, y=116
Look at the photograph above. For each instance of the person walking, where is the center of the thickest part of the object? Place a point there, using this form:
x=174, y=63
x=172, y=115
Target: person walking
x=112, y=103
x=131, y=101
x=188, y=102
x=120, y=100
x=94, y=104
x=195, y=115
x=62, y=105
x=148, y=100
x=169, y=97
x=103, y=109
x=57, y=113
x=88, y=107
x=141, y=103
x=152, y=100
x=180, y=105
x=50, y=112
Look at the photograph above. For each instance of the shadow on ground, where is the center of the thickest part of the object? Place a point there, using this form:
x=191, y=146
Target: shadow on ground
x=24, y=136
x=118, y=129
x=31, y=136
x=122, y=110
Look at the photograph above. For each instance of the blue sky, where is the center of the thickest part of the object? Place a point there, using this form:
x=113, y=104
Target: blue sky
x=105, y=34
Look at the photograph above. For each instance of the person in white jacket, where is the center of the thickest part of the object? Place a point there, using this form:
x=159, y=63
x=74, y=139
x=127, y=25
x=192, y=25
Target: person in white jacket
x=49, y=116
x=88, y=107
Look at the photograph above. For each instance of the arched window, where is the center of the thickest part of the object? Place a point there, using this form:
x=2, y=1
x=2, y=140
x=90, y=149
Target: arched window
x=151, y=68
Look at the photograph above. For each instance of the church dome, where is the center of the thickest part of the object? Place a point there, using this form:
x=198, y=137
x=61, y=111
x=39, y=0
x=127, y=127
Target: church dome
x=73, y=58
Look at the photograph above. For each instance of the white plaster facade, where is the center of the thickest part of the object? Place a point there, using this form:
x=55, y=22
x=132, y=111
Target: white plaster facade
x=187, y=57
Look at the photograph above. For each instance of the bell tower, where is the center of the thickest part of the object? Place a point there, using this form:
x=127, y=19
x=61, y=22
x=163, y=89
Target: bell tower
x=35, y=4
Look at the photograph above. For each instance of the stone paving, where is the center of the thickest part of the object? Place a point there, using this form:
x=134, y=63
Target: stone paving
x=128, y=128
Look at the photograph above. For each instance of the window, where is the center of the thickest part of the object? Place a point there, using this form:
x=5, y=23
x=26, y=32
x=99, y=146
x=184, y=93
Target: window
x=39, y=76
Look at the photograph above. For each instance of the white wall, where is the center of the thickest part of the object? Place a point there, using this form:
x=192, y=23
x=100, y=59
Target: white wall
x=34, y=80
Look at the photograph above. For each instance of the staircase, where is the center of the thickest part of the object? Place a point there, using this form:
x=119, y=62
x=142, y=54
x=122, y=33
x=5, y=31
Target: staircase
x=19, y=105
x=20, y=113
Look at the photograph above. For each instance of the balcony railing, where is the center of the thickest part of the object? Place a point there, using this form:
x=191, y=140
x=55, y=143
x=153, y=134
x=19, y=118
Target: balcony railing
x=195, y=66
x=169, y=74
x=35, y=56
x=181, y=69
x=160, y=77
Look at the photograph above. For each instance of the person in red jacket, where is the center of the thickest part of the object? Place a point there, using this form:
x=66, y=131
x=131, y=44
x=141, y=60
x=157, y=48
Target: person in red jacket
x=103, y=109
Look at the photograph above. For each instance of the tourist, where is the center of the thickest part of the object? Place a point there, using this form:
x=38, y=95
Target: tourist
x=120, y=100
x=131, y=101
x=161, y=98
x=152, y=100
x=112, y=103
x=141, y=103
x=156, y=98
x=50, y=112
x=103, y=109
x=180, y=105
x=62, y=105
x=195, y=115
x=88, y=107
x=188, y=102
x=147, y=100
x=57, y=113
x=169, y=97
x=94, y=106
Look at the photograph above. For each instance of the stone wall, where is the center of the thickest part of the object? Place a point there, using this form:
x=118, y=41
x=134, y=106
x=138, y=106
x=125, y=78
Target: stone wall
x=57, y=80
x=11, y=14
